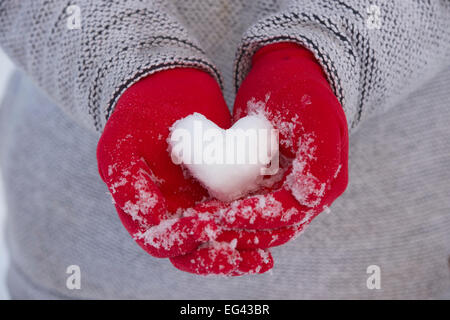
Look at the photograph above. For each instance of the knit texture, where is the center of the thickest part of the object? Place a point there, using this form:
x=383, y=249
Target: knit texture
x=373, y=59
x=86, y=70
x=370, y=68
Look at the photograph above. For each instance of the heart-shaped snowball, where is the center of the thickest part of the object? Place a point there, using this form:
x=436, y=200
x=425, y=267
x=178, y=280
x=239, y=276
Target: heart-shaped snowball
x=229, y=163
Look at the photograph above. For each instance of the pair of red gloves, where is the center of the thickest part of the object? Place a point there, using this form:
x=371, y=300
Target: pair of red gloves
x=170, y=214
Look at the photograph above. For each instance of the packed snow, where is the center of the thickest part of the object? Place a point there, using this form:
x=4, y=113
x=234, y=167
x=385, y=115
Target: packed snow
x=229, y=163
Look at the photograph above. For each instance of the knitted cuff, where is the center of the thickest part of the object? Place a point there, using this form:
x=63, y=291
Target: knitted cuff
x=329, y=46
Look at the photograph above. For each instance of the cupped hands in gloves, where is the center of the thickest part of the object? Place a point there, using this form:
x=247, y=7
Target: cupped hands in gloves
x=170, y=214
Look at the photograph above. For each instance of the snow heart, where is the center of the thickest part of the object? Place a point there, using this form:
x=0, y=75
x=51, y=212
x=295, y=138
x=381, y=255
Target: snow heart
x=229, y=163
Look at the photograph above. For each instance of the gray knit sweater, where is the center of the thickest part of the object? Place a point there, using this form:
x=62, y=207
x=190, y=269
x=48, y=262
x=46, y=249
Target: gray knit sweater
x=389, y=60
x=373, y=58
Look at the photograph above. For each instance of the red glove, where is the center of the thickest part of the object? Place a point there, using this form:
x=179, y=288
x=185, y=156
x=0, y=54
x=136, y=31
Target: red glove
x=288, y=86
x=151, y=192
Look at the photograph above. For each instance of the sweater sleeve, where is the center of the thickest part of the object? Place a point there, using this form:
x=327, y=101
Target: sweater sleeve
x=85, y=54
x=373, y=52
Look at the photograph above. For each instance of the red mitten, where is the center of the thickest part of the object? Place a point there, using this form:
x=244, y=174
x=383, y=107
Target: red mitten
x=151, y=192
x=288, y=86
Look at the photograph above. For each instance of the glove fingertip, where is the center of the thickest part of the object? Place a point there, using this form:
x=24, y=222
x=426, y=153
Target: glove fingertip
x=219, y=259
x=254, y=262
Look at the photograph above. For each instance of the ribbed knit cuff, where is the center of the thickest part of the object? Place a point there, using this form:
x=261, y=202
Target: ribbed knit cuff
x=329, y=45
x=122, y=76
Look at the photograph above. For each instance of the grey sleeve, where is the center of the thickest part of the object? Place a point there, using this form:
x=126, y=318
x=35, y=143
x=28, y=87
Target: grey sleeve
x=86, y=70
x=373, y=52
